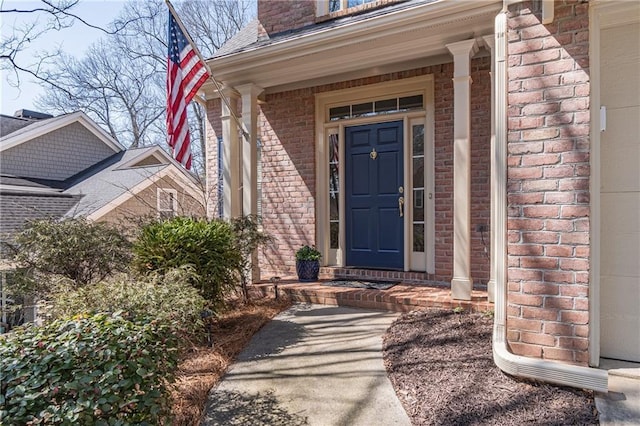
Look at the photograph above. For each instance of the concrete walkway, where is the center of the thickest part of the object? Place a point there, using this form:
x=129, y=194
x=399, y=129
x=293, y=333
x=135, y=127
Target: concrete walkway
x=621, y=405
x=311, y=365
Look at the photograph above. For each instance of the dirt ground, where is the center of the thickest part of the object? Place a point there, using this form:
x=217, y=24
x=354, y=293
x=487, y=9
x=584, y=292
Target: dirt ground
x=441, y=366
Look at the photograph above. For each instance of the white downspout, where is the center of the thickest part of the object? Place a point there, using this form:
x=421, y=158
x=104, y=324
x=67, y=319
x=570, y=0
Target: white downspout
x=516, y=365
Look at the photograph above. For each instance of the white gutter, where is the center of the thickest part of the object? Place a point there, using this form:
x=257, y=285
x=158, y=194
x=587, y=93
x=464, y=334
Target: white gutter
x=23, y=189
x=516, y=365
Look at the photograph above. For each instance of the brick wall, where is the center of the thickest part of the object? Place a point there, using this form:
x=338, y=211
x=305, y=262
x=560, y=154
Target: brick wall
x=480, y=168
x=286, y=126
x=548, y=182
x=57, y=155
x=277, y=16
x=287, y=133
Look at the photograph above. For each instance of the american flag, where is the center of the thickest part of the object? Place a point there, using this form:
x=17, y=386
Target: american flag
x=185, y=74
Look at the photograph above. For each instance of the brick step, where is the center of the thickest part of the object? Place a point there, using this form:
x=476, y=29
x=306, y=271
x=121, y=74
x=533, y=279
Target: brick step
x=332, y=272
x=399, y=298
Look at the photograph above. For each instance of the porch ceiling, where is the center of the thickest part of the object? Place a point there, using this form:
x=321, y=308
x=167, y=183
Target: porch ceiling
x=405, y=39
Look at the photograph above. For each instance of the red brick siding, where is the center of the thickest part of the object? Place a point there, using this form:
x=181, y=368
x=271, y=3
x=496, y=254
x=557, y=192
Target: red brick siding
x=480, y=167
x=277, y=16
x=287, y=133
x=443, y=164
x=286, y=127
x=548, y=182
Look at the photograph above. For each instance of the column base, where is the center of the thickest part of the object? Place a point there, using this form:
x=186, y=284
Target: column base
x=461, y=288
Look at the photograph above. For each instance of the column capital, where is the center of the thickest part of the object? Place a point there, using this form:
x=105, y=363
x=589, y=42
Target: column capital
x=249, y=89
x=464, y=47
x=229, y=92
x=462, y=52
x=232, y=96
x=489, y=41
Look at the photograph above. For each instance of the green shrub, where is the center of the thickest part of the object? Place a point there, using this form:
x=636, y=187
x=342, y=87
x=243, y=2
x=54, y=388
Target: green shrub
x=249, y=237
x=208, y=246
x=95, y=370
x=308, y=253
x=76, y=249
x=168, y=299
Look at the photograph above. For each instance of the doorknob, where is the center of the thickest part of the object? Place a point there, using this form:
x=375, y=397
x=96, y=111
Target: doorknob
x=401, y=206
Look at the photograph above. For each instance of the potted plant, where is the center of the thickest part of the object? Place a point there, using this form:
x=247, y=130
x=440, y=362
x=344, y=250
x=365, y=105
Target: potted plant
x=308, y=263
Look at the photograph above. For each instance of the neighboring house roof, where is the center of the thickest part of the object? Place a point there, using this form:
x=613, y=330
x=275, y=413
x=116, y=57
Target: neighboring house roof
x=9, y=124
x=108, y=176
x=10, y=183
x=110, y=184
x=41, y=127
x=99, y=188
x=18, y=208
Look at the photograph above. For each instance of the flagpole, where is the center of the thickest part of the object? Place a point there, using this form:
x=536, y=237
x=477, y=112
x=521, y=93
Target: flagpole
x=215, y=82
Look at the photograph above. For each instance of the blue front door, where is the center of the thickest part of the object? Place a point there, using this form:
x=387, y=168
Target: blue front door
x=374, y=178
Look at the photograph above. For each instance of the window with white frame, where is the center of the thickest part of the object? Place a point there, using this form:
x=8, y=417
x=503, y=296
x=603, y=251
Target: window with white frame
x=417, y=153
x=167, y=203
x=336, y=5
x=326, y=7
x=334, y=190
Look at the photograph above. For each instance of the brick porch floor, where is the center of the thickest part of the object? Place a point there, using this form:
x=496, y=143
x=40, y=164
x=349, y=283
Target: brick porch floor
x=402, y=297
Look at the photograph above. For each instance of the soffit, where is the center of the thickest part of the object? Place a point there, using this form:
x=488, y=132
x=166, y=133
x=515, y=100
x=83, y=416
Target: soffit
x=407, y=38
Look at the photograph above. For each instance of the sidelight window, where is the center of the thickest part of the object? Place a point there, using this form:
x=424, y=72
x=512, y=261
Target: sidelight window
x=417, y=132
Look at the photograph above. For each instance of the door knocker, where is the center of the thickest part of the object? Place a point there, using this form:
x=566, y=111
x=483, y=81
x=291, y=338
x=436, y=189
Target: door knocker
x=373, y=154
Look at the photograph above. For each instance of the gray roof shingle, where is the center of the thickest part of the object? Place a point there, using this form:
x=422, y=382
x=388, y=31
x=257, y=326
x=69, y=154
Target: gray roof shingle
x=100, y=186
x=10, y=124
x=17, y=209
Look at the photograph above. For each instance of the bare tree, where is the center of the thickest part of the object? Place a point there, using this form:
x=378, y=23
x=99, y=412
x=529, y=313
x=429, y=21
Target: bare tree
x=121, y=81
x=122, y=94
x=48, y=15
x=211, y=24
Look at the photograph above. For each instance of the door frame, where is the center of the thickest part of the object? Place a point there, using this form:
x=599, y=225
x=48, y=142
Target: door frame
x=602, y=15
x=324, y=127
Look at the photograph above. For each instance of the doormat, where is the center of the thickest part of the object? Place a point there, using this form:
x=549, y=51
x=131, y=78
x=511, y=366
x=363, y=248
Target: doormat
x=375, y=285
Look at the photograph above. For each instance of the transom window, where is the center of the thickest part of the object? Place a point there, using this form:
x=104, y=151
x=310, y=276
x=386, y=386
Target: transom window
x=337, y=5
x=383, y=106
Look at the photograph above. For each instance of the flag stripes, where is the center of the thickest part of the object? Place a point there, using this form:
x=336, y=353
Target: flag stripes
x=185, y=74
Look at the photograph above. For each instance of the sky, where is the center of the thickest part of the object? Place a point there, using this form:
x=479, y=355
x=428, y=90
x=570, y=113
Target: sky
x=74, y=40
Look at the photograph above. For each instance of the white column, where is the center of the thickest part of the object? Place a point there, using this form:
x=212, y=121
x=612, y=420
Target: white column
x=490, y=41
x=249, y=93
x=462, y=284
x=232, y=203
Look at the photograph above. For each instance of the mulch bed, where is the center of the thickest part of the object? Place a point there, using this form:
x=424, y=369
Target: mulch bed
x=441, y=366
